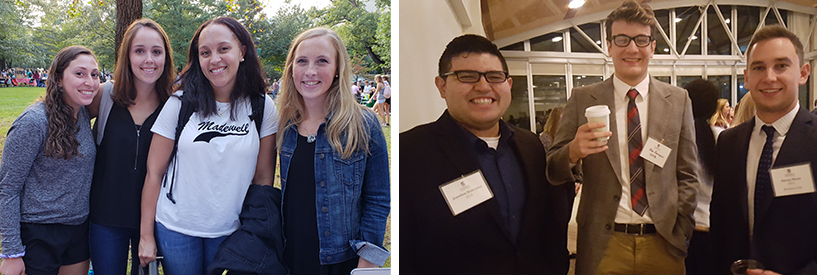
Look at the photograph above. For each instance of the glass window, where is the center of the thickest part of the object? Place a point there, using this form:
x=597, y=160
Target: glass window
x=661, y=45
x=549, y=91
x=686, y=19
x=551, y=42
x=579, y=44
x=748, y=18
x=584, y=80
x=718, y=38
x=515, y=47
x=684, y=80
x=724, y=84
x=771, y=19
x=741, y=87
x=518, y=113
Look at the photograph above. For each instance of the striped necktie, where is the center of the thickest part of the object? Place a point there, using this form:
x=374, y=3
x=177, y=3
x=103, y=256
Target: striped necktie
x=638, y=185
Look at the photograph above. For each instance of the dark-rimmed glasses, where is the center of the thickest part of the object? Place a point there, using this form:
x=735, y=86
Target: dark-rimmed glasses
x=622, y=40
x=469, y=76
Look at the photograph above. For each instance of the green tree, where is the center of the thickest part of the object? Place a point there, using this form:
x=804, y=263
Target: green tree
x=288, y=22
x=15, y=36
x=358, y=27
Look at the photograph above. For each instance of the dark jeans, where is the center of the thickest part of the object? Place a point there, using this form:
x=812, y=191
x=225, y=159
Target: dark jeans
x=109, y=249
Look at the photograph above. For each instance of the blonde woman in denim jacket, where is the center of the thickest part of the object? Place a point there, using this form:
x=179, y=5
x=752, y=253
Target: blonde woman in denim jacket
x=334, y=163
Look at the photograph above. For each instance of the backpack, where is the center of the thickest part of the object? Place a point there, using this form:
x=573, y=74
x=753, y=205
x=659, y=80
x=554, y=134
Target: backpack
x=188, y=108
x=386, y=89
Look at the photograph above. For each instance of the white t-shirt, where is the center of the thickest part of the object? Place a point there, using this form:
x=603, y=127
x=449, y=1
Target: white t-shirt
x=217, y=160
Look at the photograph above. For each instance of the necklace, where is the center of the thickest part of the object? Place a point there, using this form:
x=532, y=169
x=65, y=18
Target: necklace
x=221, y=111
x=310, y=139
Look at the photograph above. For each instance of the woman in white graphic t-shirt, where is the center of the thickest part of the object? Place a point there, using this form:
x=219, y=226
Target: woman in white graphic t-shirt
x=196, y=206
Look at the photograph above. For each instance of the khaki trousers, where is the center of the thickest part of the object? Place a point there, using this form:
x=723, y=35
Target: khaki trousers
x=646, y=254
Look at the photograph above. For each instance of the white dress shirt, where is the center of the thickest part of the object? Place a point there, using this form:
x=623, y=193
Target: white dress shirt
x=625, y=212
x=756, y=143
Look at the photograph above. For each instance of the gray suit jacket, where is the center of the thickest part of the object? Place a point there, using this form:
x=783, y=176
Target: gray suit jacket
x=670, y=190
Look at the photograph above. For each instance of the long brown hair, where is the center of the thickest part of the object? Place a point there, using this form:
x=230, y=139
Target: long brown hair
x=61, y=141
x=346, y=126
x=718, y=119
x=552, y=124
x=124, y=91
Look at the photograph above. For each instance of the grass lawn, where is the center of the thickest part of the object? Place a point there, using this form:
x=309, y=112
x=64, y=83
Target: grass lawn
x=14, y=100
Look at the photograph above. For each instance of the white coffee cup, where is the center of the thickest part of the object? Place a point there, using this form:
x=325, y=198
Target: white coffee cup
x=599, y=113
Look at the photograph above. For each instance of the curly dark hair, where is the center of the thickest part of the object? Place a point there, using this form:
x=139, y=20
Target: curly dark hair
x=61, y=141
x=250, y=79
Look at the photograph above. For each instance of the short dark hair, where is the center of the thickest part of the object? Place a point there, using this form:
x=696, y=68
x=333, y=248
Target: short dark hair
x=466, y=44
x=704, y=96
x=776, y=31
x=632, y=12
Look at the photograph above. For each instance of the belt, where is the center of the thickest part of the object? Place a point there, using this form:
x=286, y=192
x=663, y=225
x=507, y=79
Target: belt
x=635, y=229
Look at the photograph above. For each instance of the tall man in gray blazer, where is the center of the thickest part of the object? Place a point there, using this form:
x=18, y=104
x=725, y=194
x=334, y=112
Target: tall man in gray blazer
x=635, y=215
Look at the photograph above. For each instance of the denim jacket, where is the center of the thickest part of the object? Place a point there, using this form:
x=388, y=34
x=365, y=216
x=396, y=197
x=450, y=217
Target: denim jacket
x=352, y=197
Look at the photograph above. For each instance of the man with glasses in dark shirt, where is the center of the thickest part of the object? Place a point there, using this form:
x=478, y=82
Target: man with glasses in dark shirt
x=473, y=195
x=640, y=176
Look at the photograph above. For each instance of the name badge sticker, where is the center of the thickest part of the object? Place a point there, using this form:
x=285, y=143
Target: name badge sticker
x=792, y=180
x=466, y=192
x=655, y=152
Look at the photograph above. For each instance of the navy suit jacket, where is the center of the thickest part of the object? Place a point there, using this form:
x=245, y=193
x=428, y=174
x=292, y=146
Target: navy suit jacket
x=433, y=241
x=785, y=236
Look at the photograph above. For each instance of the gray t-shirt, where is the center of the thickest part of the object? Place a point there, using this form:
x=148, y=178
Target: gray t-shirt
x=38, y=189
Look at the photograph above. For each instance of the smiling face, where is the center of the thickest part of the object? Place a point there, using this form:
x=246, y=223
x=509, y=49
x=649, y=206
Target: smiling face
x=147, y=56
x=220, y=54
x=314, y=68
x=631, y=61
x=773, y=76
x=476, y=106
x=79, y=82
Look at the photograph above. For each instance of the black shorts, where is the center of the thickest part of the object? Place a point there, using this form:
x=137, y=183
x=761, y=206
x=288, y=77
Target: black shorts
x=49, y=246
x=388, y=101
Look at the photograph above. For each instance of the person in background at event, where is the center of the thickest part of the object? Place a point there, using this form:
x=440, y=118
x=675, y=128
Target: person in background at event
x=46, y=171
x=722, y=118
x=704, y=96
x=356, y=90
x=763, y=202
x=387, y=95
x=36, y=78
x=380, y=99
x=367, y=89
x=517, y=224
x=745, y=110
x=220, y=151
x=636, y=211
x=275, y=88
x=546, y=137
x=125, y=110
x=334, y=163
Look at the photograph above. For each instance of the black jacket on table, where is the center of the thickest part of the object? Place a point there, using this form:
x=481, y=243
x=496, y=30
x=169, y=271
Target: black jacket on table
x=785, y=235
x=434, y=241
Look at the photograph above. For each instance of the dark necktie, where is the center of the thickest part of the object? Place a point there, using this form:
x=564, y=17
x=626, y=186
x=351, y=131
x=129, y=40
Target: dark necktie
x=637, y=183
x=763, y=181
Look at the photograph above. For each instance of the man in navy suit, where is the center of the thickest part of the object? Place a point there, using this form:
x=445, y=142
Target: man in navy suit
x=448, y=223
x=763, y=204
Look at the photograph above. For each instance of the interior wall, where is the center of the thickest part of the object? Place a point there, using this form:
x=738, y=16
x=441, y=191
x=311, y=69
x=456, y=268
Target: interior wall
x=425, y=28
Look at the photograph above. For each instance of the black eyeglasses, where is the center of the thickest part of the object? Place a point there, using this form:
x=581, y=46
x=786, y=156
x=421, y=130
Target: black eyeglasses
x=468, y=76
x=624, y=40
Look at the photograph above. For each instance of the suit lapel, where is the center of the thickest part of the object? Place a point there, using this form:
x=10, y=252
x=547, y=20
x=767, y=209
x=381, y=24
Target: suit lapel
x=606, y=96
x=659, y=110
x=465, y=161
x=790, y=151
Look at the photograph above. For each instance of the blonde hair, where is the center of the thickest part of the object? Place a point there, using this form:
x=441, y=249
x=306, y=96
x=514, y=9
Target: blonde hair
x=718, y=119
x=745, y=110
x=346, y=126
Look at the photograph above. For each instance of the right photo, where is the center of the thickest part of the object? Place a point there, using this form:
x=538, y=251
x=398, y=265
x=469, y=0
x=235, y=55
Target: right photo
x=607, y=137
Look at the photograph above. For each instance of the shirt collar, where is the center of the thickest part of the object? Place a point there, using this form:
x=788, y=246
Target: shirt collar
x=782, y=124
x=505, y=133
x=622, y=88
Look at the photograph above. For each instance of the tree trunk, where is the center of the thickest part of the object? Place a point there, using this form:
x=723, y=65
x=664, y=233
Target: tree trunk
x=127, y=11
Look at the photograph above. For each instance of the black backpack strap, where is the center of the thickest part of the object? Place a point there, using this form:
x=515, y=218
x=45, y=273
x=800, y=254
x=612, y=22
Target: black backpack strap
x=187, y=109
x=257, y=115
